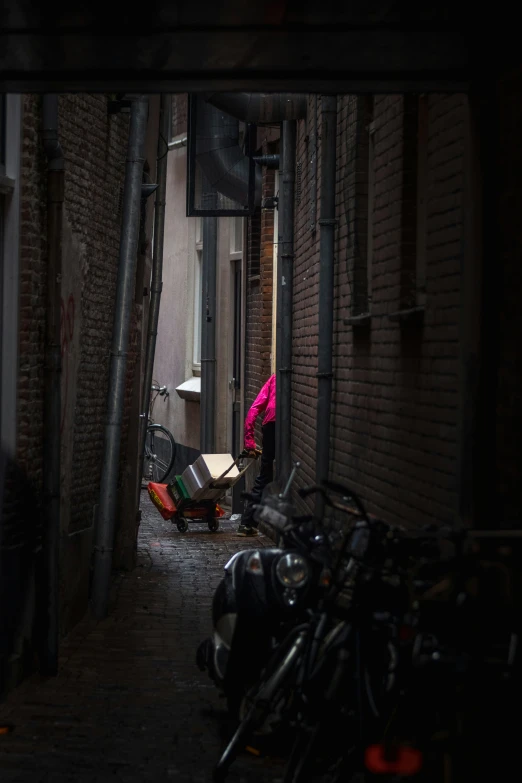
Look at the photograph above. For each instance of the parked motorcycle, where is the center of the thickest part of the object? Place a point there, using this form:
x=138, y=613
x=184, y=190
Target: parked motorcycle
x=276, y=697
x=264, y=592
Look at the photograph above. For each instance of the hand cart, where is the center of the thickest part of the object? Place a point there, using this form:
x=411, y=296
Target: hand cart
x=174, y=503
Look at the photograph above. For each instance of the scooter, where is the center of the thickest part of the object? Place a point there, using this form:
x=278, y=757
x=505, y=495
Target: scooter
x=264, y=592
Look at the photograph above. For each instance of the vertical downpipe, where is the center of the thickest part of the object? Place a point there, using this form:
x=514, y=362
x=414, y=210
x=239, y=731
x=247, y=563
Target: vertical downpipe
x=327, y=223
x=285, y=277
x=106, y=524
x=52, y=380
x=156, y=284
x=208, y=336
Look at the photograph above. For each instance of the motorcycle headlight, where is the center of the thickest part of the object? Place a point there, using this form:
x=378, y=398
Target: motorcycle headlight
x=292, y=570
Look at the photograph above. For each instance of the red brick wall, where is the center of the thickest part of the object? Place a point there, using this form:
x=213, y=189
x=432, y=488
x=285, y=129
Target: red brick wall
x=259, y=287
x=179, y=114
x=94, y=145
x=95, y=164
x=305, y=321
x=33, y=281
x=395, y=387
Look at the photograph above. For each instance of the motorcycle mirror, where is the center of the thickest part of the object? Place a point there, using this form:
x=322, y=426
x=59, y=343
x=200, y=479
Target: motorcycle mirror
x=286, y=492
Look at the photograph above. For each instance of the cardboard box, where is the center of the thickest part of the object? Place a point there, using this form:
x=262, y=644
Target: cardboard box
x=198, y=477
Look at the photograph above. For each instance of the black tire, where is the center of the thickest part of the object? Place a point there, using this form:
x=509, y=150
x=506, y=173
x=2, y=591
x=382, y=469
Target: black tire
x=281, y=668
x=299, y=756
x=182, y=524
x=156, y=467
x=213, y=524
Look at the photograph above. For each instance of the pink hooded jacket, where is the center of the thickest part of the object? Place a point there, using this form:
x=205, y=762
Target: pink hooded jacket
x=265, y=401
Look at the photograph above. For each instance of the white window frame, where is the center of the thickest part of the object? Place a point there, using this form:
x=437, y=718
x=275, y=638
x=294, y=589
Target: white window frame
x=10, y=271
x=236, y=228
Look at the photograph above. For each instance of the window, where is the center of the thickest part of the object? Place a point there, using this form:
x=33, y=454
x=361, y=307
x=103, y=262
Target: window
x=198, y=295
x=414, y=202
x=236, y=236
x=236, y=228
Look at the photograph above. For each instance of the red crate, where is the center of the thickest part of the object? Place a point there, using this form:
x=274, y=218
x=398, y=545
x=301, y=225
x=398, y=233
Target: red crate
x=165, y=504
x=161, y=498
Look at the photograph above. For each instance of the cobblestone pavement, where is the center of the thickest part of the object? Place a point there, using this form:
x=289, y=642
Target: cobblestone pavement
x=129, y=703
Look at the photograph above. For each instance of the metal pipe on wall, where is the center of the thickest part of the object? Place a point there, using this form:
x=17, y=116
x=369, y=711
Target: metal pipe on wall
x=327, y=224
x=52, y=380
x=156, y=284
x=208, y=336
x=106, y=522
x=285, y=275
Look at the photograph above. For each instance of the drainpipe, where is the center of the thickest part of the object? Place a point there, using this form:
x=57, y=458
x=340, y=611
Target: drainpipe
x=327, y=223
x=208, y=336
x=285, y=273
x=177, y=143
x=106, y=522
x=271, y=108
x=156, y=284
x=52, y=379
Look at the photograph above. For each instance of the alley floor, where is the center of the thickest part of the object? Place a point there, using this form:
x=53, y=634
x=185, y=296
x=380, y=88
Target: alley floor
x=129, y=703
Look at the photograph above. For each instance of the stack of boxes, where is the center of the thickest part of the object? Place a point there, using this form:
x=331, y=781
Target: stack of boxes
x=195, y=482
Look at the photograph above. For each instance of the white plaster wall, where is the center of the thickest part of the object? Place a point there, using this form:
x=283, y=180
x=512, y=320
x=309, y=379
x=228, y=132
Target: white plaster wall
x=172, y=365
x=174, y=347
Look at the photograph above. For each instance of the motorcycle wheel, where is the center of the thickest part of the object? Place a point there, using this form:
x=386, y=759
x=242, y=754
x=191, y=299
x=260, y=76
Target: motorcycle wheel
x=274, y=682
x=301, y=756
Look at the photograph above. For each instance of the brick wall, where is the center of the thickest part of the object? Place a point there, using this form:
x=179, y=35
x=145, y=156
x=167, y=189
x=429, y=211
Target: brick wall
x=395, y=385
x=305, y=307
x=259, y=287
x=179, y=114
x=33, y=281
x=94, y=178
x=94, y=145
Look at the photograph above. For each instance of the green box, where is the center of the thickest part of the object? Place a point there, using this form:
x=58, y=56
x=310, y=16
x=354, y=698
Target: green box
x=178, y=490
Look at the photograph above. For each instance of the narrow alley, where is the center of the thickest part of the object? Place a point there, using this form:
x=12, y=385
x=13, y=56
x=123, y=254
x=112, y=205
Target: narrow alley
x=129, y=703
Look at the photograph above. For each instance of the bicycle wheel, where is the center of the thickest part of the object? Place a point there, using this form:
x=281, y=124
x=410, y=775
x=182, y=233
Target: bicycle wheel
x=160, y=453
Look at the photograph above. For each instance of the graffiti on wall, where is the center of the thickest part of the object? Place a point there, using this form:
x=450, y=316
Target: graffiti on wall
x=66, y=336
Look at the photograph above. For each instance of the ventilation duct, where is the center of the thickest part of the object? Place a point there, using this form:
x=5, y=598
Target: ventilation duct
x=260, y=107
x=225, y=167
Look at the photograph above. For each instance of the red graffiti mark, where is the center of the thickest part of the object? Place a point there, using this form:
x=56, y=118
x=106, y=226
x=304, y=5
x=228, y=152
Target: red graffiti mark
x=67, y=323
x=66, y=336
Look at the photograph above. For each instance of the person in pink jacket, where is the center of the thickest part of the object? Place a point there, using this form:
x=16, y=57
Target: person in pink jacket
x=264, y=402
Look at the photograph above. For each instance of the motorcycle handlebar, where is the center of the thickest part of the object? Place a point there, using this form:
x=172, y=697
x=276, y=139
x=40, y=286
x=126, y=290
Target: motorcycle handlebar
x=338, y=489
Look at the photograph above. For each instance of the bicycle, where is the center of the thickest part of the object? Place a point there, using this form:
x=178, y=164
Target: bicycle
x=160, y=445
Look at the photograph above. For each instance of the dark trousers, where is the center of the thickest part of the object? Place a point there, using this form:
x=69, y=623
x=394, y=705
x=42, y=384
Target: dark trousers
x=266, y=472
